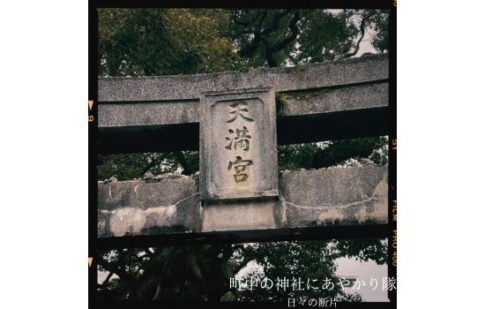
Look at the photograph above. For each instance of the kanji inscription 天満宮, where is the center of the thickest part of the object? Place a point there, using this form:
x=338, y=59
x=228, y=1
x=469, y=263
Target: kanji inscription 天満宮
x=240, y=162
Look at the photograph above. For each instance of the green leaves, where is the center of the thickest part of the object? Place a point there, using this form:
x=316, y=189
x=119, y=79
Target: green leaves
x=325, y=36
x=134, y=42
x=133, y=166
x=362, y=249
x=325, y=154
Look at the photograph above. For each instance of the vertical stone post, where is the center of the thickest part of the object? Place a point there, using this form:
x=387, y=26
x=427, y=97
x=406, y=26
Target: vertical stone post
x=238, y=159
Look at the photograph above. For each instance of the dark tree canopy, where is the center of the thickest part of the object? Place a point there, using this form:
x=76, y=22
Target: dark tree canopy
x=185, y=41
x=203, y=272
x=137, y=42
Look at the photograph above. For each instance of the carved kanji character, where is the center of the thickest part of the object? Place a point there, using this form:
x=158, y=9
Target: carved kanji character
x=239, y=109
x=241, y=140
x=240, y=167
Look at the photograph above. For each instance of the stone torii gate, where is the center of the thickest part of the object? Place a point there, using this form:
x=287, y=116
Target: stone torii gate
x=235, y=122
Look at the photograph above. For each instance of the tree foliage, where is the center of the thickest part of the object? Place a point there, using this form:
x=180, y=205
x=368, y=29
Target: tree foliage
x=203, y=272
x=135, y=42
x=136, y=166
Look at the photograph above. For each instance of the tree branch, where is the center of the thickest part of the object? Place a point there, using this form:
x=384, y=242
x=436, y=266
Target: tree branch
x=108, y=278
x=249, y=49
x=115, y=268
x=270, y=50
x=294, y=33
x=148, y=165
x=274, y=24
x=183, y=162
x=363, y=25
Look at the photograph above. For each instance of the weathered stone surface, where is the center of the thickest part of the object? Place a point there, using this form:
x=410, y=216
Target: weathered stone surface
x=237, y=216
x=333, y=196
x=134, y=114
x=352, y=195
x=349, y=98
x=238, y=145
x=146, y=114
x=170, y=204
x=182, y=87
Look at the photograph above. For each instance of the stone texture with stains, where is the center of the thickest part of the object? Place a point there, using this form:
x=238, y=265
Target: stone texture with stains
x=320, y=197
x=374, y=95
x=132, y=102
x=168, y=204
x=189, y=87
x=351, y=195
x=241, y=164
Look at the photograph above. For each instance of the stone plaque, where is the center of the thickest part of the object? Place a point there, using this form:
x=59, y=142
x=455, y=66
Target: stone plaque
x=238, y=145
